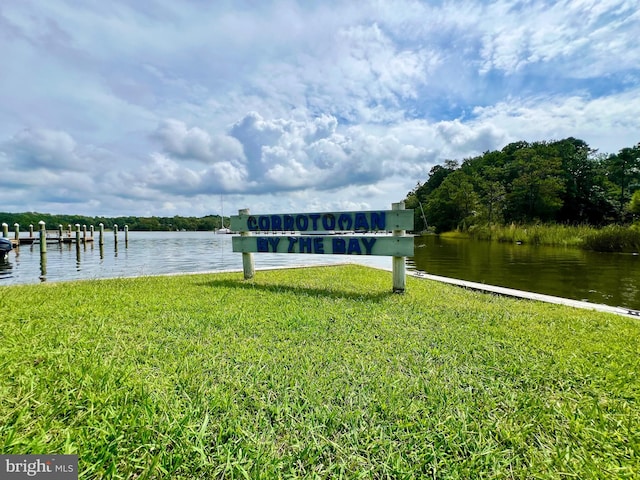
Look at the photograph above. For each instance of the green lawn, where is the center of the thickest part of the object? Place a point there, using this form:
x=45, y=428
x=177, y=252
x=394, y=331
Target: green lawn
x=315, y=373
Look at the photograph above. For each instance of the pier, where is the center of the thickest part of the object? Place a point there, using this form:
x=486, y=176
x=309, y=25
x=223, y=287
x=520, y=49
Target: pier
x=59, y=235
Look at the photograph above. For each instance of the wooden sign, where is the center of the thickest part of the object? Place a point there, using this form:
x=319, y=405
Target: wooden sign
x=327, y=245
x=320, y=238
x=366, y=221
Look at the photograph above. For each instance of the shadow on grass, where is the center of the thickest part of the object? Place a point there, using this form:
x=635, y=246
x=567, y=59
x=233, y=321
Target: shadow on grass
x=329, y=292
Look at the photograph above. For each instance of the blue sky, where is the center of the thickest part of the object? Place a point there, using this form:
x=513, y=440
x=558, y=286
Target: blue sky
x=166, y=107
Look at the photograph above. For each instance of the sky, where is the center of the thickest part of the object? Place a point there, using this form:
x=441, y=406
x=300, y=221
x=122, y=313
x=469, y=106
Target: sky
x=194, y=107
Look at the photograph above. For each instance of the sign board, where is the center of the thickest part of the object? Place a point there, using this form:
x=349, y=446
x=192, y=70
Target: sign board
x=315, y=233
x=366, y=221
x=329, y=245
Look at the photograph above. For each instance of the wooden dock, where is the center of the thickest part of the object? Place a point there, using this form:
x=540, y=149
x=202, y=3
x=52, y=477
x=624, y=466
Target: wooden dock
x=49, y=239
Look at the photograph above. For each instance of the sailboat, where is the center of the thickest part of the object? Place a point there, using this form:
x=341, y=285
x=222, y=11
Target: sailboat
x=222, y=229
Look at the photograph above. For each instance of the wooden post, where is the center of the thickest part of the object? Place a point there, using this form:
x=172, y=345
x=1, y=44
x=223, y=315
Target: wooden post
x=77, y=235
x=398, y=263
x=247, y=258
x=16, y=229
x=115, y=233
x=84, y=234
x=91, y=231
x=43, y=236
x=31, y=231
x=60, y=233
x=5, y=230
x=126, y=236
x=43, y=264
x=101, y=239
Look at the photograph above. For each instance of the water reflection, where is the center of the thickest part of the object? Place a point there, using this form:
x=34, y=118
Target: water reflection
x=613, y=279
x=5, y=267
x=43, y=266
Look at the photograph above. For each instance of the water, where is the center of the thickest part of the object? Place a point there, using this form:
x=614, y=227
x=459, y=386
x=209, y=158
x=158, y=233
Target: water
x=148, y=253
x=611, y=279
x=607, y=278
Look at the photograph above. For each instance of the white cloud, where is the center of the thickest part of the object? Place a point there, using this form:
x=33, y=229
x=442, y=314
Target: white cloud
x=161, y=107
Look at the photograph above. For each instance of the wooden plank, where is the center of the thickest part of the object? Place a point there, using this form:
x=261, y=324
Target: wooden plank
x=327, y=245
x=373, y=220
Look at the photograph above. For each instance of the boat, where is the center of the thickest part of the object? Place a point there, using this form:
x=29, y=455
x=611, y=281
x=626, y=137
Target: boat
x=223, y=229
x=5, y=247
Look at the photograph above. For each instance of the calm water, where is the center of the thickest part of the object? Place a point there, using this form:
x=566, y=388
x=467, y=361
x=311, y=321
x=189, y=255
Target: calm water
x=147, y=253
x=612, y=279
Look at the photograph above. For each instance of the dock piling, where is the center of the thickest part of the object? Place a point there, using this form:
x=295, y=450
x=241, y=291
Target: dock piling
x=43, y=236
x=5, y=230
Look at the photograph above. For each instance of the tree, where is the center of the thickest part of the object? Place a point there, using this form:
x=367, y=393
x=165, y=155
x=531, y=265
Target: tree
x=452, y=203
x=634, y=204
x=536, y=190
x=624, y=173
x=417, y=198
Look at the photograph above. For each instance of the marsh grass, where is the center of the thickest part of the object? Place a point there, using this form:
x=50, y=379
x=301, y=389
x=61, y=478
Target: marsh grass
x=559, y=235
x=613, y=238
x=315, y=373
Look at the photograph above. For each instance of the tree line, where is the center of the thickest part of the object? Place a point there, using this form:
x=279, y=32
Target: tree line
x=206, y=223
x=561, y=181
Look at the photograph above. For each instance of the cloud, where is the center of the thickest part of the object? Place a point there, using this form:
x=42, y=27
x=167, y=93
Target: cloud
x=42, y=148
x=258, y=155
x=607, y=123
x=194, y=143
x=162, y=107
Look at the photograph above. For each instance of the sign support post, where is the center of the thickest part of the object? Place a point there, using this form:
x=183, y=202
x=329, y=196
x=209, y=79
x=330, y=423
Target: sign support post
x=247, y=258
x=398, y=263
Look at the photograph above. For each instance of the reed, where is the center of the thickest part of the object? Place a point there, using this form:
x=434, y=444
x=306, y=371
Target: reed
x=614, y=238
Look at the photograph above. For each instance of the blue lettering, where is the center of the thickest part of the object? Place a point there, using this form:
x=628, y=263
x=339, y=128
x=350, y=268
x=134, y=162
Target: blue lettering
x=344, y=222
x=263, y=244
x=274, y=243
x=252, y=224
x=314, y=219
x=288, y=222
x=292, y=242
x=318, y=245
x=361, y=222
x=354, y=247
x=339, y=246
x=305, y=244
x=263, y=222
x=329, y=221
x=378, y=221
x=302, y=222
x=368, y=244
x=276, y=222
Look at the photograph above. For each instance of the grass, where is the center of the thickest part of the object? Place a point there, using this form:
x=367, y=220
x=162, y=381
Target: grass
x=315, y=373
x=614, y=238
x=559, y=235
